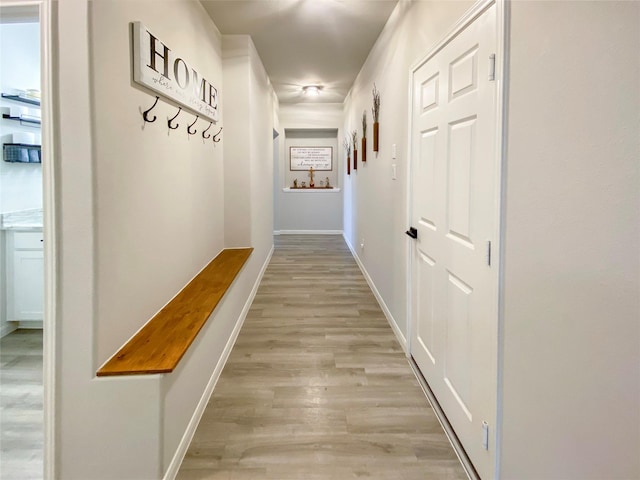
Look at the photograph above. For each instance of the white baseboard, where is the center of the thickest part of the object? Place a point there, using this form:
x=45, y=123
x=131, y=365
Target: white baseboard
x=387, y=313
x=444, y=423
x=183, y=446
x=30, y=324
x=7, y=328
x=308, y=232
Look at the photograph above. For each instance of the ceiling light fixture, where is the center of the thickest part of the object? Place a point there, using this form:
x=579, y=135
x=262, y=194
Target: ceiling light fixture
x=311, y=90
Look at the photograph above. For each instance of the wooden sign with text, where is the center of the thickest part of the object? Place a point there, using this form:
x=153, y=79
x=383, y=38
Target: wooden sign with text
x=303, y=158
x=157, y=67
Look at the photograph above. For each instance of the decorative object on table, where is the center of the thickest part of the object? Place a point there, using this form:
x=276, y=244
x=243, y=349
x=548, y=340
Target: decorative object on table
x=295, y=183
x=327, y=185
x=304, y=185
x=311, y=184
x=375, y=111
x=347, y=148
x=354, y=141
x=364, y=136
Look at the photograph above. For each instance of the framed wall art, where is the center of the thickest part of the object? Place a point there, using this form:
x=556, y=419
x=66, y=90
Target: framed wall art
x=304, y=158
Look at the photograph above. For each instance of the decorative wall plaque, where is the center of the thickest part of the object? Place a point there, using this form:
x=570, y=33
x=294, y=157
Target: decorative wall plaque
x=159, y=68
x=304, y=158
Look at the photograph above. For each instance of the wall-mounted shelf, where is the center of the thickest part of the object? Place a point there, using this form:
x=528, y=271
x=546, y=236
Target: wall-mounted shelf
x=18, y=98
x=311, y=190
x=31, y=121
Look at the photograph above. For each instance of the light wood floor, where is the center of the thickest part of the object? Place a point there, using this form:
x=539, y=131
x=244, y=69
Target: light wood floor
x=21, y=395
x=317, y=386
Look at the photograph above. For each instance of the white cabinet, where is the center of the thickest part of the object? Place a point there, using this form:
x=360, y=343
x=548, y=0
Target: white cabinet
x=25, y=276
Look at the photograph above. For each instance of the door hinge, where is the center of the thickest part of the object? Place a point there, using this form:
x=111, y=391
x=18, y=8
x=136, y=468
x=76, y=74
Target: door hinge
x=492, y=67
x=489, y=252
x=485, y=435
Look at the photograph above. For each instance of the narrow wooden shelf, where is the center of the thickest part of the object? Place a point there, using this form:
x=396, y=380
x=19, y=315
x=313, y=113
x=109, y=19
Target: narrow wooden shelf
x=162, y=342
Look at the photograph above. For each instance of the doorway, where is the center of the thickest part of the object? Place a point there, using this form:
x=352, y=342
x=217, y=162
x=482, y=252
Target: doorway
x=454, y=209
x=26, y=259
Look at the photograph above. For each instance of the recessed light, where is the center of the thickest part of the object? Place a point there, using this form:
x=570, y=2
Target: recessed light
x=311, y=90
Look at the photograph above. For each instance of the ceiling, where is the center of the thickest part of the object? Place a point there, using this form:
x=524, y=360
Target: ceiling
x=306, y=42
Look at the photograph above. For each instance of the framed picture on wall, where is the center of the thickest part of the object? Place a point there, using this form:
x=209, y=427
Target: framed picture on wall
x=304, y=158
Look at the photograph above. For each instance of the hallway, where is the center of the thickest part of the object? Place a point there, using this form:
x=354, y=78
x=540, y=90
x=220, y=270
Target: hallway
x=317, y=386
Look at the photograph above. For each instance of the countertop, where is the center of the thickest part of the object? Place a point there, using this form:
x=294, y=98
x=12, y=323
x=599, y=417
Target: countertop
x=22, y=220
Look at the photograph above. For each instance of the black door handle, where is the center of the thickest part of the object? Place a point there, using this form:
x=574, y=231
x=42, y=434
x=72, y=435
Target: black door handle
x=412, y=232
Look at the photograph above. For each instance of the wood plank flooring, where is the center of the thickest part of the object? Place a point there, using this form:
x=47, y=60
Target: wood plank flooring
x=21, y=395
x=317, y=386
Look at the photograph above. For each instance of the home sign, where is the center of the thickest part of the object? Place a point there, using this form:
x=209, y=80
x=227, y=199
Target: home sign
x=159, y=68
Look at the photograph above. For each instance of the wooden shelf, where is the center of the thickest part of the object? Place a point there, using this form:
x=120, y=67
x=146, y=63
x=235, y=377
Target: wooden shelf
x=311, y=190
x=162, y=342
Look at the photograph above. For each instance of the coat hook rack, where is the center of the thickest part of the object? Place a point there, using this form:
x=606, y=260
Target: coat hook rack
x=189, y=127
x=205, y=131
x=215, y=137
x=169, y=122
x=145, y=114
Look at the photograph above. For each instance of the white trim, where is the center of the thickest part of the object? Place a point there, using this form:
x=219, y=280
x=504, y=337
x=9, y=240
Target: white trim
x=7, y=327
x=503, y=21
x=476, y=10
x=50, y=247
x=308, y=232
x=387, y=313
x=502, y=32
x=444, y=423
x=187, y=437
x=473, y=13
x=310, y=190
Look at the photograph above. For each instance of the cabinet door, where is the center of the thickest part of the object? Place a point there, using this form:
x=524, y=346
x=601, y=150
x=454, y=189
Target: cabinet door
x=28, y=285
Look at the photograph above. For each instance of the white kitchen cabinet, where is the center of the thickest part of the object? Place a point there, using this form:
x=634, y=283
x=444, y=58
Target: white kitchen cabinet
x=25, y=276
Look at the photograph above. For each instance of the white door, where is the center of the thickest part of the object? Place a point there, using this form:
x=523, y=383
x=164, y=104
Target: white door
x=454, y=209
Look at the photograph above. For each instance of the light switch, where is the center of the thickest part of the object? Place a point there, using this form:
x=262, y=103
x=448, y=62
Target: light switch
x=393, y=171
x=393, y=151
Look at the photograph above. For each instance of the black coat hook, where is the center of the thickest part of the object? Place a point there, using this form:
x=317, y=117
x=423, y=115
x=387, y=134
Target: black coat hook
x=216, y=136
x=145, y=114
x=173, y=118
x=205, y=131
x=189, y=127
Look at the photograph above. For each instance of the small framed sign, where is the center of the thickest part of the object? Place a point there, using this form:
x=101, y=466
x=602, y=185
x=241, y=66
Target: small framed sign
x=304, y=158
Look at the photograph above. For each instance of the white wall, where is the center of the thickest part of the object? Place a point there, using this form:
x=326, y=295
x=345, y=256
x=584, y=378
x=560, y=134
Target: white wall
x=570, y=334
x=158, y=193
x=309, y=211
x=248, y=212
x=84, y=405
x=311, y=138
x=375, y=206
x=141, y=210
x=571, y=337
x=263, y=119
x=236, y=139
x=20, y=184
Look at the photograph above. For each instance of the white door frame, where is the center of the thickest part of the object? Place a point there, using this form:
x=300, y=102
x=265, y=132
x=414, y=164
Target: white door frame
x=49, y=225
x=502, y=25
